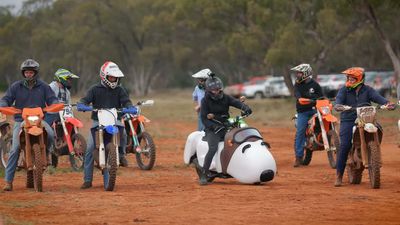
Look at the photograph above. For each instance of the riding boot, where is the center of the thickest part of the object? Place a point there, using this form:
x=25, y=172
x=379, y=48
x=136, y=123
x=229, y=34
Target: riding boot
x=203, y=177
x=8, y=186
x=298, y=162
x=338, y=181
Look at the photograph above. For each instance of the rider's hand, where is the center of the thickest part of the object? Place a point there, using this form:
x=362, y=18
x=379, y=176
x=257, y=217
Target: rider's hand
x=130, y=110
x=83, y=108
x=390, y=106
x=247, y=112
x=340, y=108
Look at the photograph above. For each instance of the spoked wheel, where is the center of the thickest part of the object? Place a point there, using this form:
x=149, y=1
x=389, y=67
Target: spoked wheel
x=333, y=140
x=37, y=168
x=146, y=157
x=374, y=164
x=307, y=156
x=5, y=147
x=110, y=171
x=77, y=160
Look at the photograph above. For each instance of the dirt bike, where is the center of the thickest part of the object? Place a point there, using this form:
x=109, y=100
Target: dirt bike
x=243, y=155
x=321, y=131
x=107, y=140
x=33, y=142
x=5, y=140
x=67, y=140
x=139, y=141
x=365, y=152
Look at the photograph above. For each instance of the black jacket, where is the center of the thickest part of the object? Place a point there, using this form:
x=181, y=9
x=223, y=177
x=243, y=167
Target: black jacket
x=307, y=89
x=220, y=108
x=103, y=97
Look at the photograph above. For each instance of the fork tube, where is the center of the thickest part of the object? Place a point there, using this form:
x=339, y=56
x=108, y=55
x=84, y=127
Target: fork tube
x=28, y=150
x=115, y=141
x=101, y=148
x=43, y=149
x=364, y=153
x=323, y=132
x=134, y=135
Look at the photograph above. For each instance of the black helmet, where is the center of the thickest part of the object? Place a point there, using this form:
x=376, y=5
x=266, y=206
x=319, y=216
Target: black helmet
x=213, y=84
x=30, y=64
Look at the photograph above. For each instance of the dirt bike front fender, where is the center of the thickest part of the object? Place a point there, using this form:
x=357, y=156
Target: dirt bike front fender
x=330, y=118
x=74, y=121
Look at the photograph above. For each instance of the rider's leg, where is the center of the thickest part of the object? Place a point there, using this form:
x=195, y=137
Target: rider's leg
x=122, y=148
x=300, y=139
x=13, y=157
x=213, y=141
x=88, y=164
x=346, y=134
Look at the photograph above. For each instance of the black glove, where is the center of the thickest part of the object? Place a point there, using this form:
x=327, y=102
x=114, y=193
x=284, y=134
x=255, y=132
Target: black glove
x=246, y=112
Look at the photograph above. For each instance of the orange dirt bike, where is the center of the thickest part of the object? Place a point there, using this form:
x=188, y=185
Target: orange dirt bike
x=321, y=131
x=67, y=140
x=365, y=152
x=5, y=140
x=33, y=142
x=139, y=141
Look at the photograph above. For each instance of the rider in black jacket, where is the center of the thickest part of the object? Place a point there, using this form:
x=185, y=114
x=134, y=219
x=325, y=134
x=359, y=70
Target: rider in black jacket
x=217, y=103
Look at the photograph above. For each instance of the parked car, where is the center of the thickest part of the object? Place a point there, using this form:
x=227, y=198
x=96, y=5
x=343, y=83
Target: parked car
x=331, y=83
x=382, y=81
x=271, y=86
x=236, y=90
x=277, y=88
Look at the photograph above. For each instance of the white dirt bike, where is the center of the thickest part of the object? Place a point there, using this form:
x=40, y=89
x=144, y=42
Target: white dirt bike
x=243, y=155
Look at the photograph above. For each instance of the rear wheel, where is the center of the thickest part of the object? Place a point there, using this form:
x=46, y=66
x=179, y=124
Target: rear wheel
x=334, y=145
x=110, y=171
x=37, y=168
x=79, y=144
x=147, y=155
x=374, y=166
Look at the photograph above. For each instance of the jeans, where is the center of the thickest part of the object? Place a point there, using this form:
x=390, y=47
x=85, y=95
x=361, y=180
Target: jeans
x=346, y=135
x=302, y=123
x=200, y=125
x=51, y=117
x=89, y=161
x=14, y=152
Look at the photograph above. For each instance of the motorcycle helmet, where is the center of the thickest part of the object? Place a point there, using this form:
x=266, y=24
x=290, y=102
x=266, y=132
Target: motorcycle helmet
x=31, y=65
x=357, y=73
x=214, y=87
x=64, y=77
x=202, y=76
x=107, y=70
x=304, y=69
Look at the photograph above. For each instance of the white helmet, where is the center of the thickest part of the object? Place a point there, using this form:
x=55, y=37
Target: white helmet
x=202, y=74
x=305, y=69
x=110, y=69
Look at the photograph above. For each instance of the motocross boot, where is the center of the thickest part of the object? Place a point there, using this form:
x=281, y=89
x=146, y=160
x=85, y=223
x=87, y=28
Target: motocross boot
x=8, y=186
x=123, y=161
x=298, y=162
x=203, y=177
x=86, y=185
x=338, y=181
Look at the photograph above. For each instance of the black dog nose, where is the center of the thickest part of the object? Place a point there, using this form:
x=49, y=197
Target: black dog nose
x=267, y=175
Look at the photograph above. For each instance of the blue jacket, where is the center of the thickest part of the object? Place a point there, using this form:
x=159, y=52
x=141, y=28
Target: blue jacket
x=19, y=95
x=349, y=97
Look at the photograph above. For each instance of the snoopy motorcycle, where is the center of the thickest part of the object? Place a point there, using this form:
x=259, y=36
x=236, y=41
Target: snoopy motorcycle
x=321, y=133
x=365, y=152
x=68, y=141
x=243, y=154
x=139, y=141
x=33, y=142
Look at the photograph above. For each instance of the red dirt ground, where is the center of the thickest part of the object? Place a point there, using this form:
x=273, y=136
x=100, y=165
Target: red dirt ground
x=170, y=194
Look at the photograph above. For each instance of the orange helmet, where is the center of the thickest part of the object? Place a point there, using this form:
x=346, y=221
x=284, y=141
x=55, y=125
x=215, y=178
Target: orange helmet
x=357, y=73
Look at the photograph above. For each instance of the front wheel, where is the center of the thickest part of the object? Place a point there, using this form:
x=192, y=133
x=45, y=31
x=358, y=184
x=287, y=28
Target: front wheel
x=374, y=166
x=146, y=156
x=334, y=146
x=307, y=156
x=78, y=158
x=37, y=168
x=5, y=147
x=110, y=171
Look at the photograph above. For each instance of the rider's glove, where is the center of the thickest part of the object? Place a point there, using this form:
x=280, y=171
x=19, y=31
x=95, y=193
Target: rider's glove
x=339, y=107
x=130, y=110
x=83, y=108
x=390, y=106
x=246, y=112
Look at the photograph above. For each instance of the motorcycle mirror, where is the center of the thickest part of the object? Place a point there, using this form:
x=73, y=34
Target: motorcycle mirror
x=146, y=103
x=210, y=116
x=242, y=98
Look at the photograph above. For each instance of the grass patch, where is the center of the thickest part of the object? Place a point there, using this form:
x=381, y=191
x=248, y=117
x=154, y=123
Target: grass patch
x=10, y=220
